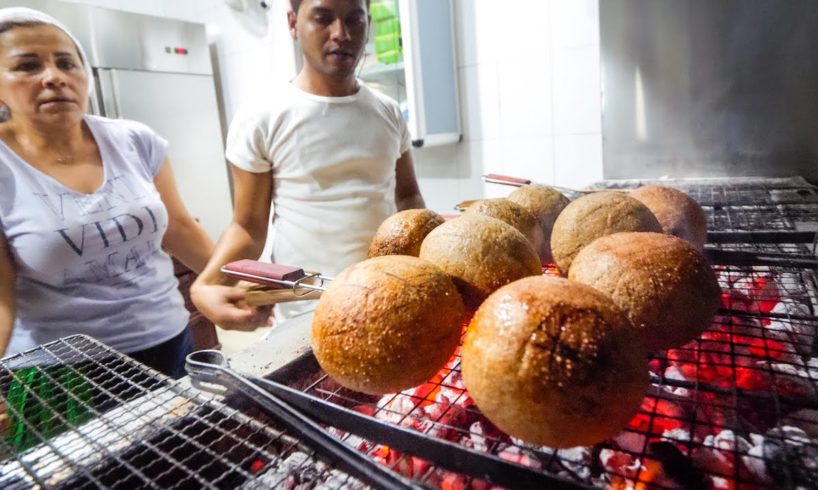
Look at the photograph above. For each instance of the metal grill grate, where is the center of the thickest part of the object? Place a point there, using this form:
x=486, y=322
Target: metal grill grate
x=746, y=218
x=738, y=407
x=80, y=415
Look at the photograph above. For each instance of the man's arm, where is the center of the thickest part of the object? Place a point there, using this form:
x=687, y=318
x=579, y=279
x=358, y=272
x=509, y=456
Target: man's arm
x=8, y=293
x=407, y=192
x=213, y=293
x=185, y=239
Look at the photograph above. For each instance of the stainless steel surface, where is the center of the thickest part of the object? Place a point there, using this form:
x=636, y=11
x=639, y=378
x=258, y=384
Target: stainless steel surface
x=117, y=39
x=285, y=342
x=81, y=415
x=699, y=88
x=141, y=76
x=141, y=42
x=182, y=108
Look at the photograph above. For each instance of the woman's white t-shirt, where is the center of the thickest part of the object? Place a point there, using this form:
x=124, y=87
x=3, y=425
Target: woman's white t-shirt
x=333, y=169
x=92, y=263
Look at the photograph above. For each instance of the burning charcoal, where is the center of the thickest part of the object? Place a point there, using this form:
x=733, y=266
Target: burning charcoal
x=676, y=465
x=717, y=453
x=655, y=416
x=679, y=437
x=806, y=420
x=577, y=461
x=519, y=455
x=791, y=457
x=763, y=291
x=791, y=307
x=674, y=373
x=630, y=441
x=618, y=463
x=734, y=299
x=798, y=333
x=754, y=460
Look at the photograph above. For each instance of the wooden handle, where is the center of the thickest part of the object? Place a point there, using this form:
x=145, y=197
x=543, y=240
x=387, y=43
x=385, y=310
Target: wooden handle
x=262, y=296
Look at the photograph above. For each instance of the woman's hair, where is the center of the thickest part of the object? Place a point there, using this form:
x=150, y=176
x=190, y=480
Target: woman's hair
x=11, y=24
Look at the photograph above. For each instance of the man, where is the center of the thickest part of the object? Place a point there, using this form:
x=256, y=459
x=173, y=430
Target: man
x=331, y=154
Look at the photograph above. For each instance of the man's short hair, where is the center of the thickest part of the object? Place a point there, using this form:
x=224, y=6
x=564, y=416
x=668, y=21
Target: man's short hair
x=295, y=4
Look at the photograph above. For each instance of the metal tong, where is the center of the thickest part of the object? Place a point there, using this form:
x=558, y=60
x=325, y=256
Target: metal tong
x=212, y=367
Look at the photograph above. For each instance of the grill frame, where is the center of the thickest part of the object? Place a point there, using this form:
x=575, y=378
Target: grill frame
x=138, y=427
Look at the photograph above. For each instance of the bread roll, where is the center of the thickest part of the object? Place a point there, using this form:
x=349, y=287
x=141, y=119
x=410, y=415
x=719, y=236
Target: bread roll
x=513, y=214
x=403, y=232
x=554, y=362
x=592, y=216
x=662, y=283
x=480, y=254
x=387, y=324
x=679, y=214
x=545, y=204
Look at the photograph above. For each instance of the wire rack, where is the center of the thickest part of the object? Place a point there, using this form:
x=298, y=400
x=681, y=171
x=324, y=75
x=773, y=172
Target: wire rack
x=746, y=218
x=81, y=415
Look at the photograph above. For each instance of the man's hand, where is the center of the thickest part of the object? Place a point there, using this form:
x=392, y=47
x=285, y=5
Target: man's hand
x=225, y=306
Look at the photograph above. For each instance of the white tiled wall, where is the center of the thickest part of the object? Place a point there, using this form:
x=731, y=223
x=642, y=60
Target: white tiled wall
x=530, y=91
x=529, y=76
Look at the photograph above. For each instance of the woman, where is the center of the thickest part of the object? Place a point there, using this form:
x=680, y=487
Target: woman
x=87, y=206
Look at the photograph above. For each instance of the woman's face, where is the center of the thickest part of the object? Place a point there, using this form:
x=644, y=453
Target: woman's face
x=41, y=76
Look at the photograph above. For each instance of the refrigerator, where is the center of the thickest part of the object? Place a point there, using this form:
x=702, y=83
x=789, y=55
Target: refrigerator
x=158, y=71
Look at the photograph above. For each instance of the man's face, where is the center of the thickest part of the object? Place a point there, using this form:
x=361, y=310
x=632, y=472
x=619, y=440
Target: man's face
x=333, y=34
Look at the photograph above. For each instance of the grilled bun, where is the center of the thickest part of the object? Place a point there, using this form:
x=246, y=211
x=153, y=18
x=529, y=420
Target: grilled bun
x=595, y=215
x=387, y=324
x=545, y=204
x=403, y=232
x=554, y=362
x=513, y=214
x=662, y=283
x=677, y=212
x=480, y=254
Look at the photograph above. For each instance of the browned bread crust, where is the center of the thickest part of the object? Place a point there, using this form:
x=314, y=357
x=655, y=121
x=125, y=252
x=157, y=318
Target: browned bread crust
x=595, y=215
x=481, y=254
x=679, y=214
x=403, y=232
x=662, y=283
x=387, y=324
x=513, y=214
x=545, y=204
x=554, y=362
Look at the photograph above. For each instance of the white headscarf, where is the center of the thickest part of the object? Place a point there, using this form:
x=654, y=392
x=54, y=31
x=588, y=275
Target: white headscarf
x=23, y=14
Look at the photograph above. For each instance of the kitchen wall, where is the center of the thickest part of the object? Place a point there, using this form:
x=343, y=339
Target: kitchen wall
x=529, y=86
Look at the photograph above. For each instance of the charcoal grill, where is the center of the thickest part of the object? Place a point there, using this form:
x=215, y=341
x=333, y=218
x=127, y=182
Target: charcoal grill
x=736, y=408
x=80, y=415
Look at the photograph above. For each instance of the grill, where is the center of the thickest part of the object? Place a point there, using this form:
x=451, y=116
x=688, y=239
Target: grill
x=81, y=415
x=736, y=408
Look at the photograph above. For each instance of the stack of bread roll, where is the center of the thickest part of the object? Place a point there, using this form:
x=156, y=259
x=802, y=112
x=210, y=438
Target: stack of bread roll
x=555, y=361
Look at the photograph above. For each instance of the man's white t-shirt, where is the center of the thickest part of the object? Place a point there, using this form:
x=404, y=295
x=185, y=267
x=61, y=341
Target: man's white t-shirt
x=333, y=169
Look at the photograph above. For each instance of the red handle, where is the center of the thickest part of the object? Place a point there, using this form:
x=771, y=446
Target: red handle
x=506, y=180
x=262, y=272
